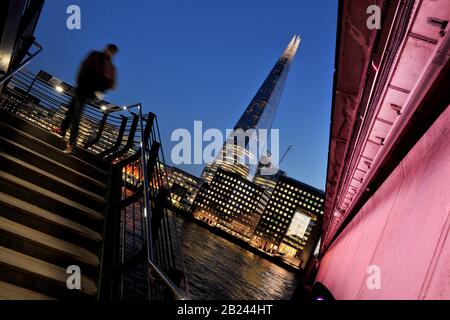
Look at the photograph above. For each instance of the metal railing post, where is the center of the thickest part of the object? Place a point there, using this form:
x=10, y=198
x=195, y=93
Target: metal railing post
x=147, y=209
x=147, y=212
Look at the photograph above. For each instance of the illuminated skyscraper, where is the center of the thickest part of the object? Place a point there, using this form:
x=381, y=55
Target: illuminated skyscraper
x=258, y=115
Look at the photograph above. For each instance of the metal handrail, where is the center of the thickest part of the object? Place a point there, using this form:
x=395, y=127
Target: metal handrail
x=147, y=213
x=30, y=97
x=41, y=103
x=22, y=65
x=174, y=290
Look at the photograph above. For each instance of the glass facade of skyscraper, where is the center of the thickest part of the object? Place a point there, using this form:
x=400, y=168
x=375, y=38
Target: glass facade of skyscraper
x=258, y=115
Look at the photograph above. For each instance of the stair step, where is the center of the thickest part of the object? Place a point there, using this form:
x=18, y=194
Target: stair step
x=51, y=151
x=9, y=291
x=50, y=139
x=36, y=274
x=49, y=217
x=56, y=197
x=18, y=150
x=50, y=243
x=33, y=174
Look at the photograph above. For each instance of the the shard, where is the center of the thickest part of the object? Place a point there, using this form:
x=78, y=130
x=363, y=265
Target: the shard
x=259, y=114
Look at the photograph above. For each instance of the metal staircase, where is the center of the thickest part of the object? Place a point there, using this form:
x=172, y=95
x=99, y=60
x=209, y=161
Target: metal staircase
x=105, y=209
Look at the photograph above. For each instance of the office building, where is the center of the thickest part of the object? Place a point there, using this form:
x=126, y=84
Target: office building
x=229, y=202
x=184, y=187
x=290, y=224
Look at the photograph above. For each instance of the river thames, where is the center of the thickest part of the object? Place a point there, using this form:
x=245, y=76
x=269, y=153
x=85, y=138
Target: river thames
x=220, y=270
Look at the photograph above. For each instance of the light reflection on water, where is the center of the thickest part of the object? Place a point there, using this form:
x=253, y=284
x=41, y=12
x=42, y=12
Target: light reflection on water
x=218, y=269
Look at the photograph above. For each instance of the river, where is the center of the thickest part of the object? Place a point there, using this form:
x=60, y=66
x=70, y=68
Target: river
x=220, y=270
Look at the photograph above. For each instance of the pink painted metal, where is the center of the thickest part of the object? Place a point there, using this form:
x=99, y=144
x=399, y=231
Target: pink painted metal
x=403, y=229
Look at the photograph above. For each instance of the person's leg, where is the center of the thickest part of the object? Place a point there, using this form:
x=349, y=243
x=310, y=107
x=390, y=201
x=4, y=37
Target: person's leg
x=77, y=110
x=65, y=124
x=69, y=116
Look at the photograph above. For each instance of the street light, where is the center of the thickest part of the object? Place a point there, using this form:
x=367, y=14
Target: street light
x=109, y=108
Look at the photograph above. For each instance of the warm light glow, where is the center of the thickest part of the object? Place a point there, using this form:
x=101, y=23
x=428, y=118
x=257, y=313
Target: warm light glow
x=59, y=89
x=104, y=108
x=5, y=59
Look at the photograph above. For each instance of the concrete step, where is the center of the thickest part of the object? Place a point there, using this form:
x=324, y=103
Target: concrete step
x=11, y=292
x=41, y=147
x=47, y=248
x=59, y=169
x=50, y=139
x=48, y=222
x=50, y=182
x=50, y=201
x=46, y=278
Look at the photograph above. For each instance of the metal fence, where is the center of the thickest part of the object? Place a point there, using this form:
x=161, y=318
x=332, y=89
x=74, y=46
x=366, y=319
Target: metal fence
x=141, y=254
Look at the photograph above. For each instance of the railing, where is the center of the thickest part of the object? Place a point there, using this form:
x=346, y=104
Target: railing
x=141, y=254
x=44, y=100
x=148, y=260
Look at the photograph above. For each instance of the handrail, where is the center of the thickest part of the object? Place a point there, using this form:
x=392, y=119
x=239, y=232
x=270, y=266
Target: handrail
x=99, y=132
x=40, y=102
x=147, y=212
x=142, y=165
x=174, y=290
x=23, y=64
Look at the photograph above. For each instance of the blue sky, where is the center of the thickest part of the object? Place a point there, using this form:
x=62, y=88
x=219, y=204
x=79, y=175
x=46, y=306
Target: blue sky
x=205, y=60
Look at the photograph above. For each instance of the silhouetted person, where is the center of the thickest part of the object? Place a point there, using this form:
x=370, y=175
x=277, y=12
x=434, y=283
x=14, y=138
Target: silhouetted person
x=96, y=75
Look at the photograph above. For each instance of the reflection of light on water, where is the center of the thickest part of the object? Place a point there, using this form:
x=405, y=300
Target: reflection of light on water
x=219, y=269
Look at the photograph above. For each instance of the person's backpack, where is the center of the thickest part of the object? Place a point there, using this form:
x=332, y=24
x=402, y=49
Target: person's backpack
x=97, y=72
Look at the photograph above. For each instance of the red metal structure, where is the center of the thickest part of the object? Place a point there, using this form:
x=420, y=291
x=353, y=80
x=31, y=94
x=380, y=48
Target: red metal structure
x=387, y=195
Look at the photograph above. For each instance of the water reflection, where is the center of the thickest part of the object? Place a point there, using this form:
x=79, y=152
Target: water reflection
x=219, y=269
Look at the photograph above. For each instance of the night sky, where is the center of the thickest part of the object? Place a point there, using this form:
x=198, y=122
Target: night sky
x=205, y=60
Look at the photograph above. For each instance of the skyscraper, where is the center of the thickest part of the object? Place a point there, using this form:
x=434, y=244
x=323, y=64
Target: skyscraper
x=258, y=115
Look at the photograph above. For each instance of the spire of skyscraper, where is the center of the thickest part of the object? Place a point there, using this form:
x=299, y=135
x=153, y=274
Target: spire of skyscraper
x=262, y=109
x=292, y=48
x=259, y=114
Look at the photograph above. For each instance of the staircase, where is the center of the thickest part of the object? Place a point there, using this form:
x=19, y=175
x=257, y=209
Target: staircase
x=58, y=211
x=52, y=208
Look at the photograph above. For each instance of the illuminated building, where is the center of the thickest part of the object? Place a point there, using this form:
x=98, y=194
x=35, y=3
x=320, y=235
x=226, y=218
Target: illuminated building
x=229, y=202
x=184, y=187
x=290, y=223
x=258, y=115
